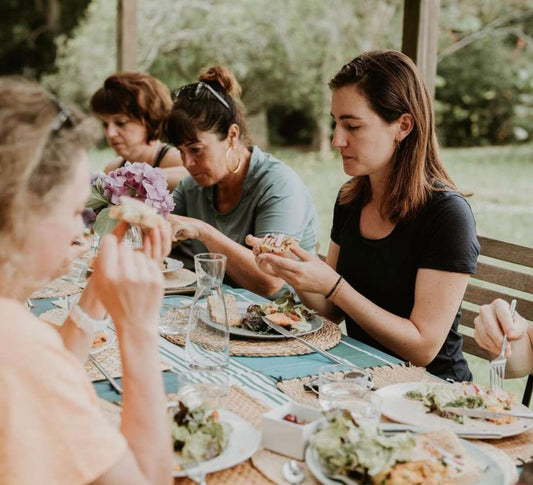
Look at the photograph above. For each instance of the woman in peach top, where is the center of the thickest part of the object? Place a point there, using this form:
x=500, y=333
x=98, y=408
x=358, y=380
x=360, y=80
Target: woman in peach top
x=51, y=429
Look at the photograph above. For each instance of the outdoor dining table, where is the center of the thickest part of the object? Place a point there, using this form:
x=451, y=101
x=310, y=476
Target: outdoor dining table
x=258, y=377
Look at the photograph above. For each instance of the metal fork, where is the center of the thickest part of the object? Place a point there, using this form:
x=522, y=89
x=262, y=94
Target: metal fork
x=497, y=366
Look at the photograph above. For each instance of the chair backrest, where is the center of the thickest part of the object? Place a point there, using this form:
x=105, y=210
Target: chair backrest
x=505, y=270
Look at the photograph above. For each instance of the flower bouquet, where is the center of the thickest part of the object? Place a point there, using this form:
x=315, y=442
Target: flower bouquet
x=137, y=180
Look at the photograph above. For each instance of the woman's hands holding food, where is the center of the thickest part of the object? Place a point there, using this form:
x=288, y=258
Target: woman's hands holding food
x=156, y=242
x=129, y=284
x=310, y=275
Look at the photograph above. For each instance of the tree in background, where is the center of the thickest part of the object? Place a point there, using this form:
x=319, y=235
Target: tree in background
x=485, y=75
x=28, y=29
x=284, y=52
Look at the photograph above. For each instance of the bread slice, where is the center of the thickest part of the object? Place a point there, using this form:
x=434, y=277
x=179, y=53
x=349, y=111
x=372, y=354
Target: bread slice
x=278, y=244
x=216, y=310
x=136, y=212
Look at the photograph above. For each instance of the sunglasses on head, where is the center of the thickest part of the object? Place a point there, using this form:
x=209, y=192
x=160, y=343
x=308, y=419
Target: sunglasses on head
x=196, y=90
x=64, y=117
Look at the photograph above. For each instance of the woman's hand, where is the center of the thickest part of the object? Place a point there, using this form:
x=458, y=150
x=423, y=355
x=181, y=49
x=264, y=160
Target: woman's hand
x=157, y=242
x=493, y=322
x=185, y=227
x=129, y=284
x=308, y=275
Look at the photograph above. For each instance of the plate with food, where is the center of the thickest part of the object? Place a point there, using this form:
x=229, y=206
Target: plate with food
x=170, y=264
x=209, y=439
x=432, y=405
x=369, y=455
x=246, y=319
x=102, y=340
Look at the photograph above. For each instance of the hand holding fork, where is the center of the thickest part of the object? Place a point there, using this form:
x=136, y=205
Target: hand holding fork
x=497, y=366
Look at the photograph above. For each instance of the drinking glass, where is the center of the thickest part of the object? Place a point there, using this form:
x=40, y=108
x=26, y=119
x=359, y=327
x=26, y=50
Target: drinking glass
x=206, y=388
x=174, y=316
x=344, y=387
x=207, y=342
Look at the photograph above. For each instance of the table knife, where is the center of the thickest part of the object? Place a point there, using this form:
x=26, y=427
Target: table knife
x=327, y=355
x=482, y=413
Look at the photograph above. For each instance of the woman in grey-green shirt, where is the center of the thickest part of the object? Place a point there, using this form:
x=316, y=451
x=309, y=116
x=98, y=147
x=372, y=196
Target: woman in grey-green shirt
x=233, y=190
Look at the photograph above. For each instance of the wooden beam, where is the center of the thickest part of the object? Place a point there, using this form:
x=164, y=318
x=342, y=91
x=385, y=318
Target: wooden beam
x=126, y=35
x=420, y=37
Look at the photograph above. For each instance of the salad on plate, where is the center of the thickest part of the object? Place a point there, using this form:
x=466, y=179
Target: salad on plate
x=197, y=433
x=365, y=453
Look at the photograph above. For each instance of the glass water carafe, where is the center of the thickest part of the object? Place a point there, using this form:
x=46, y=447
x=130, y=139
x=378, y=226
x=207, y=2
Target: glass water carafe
x=207, y=343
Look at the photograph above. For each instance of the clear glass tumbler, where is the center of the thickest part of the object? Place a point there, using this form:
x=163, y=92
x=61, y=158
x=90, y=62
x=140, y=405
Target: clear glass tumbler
x=207, y=342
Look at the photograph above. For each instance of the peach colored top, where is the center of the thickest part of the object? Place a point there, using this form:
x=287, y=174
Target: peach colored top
x=51, y=429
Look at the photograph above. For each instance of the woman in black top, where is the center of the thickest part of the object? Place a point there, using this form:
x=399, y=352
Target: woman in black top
x=403, y=242
x=133, y=107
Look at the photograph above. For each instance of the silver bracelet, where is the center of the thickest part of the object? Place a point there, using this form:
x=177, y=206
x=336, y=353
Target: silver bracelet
x=85, y=322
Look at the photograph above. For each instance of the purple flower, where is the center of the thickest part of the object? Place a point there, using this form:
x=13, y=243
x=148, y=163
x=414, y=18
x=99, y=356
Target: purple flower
x=140, y=181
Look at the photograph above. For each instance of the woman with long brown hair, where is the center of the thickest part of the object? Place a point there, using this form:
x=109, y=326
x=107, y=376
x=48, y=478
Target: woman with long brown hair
x=403, y=241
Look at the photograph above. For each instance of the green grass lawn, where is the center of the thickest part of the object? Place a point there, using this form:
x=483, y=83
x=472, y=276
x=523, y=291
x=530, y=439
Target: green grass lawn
x=500, y=178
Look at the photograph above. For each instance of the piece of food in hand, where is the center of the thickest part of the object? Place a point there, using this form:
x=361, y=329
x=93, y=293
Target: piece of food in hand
x=279, y=244
x=216, y=310
x=100, y=339
x=136, y=212
x=163, y=264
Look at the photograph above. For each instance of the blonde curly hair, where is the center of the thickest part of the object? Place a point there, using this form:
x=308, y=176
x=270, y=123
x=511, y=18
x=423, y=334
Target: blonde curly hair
x=36, y=156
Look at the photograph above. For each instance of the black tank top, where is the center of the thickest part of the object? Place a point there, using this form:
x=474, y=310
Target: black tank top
x=159, y=157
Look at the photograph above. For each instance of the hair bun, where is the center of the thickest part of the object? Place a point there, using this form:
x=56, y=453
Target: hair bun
x=224, y=77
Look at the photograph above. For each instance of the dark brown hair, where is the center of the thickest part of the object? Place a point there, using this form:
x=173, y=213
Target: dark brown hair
x=392, y=86
x=196, y=108
x=136, y=95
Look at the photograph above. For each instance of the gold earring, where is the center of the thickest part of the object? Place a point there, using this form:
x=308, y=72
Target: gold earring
x=237, y=168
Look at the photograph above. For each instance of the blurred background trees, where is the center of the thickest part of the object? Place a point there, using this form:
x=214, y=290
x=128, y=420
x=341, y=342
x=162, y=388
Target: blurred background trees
x=284, y=53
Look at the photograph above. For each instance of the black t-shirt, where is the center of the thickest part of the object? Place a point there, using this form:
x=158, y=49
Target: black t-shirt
x=442, y=237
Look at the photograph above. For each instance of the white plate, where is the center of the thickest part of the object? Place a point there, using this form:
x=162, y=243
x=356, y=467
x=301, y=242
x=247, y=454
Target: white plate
x=491, y=473
x=242, y=444
x=316, y=324
x=172, y=265
x=110, y=339
x=399, y=408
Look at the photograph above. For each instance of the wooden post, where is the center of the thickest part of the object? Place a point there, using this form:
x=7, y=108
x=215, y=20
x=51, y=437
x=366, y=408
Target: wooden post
x=420, y=37
x=126, y=35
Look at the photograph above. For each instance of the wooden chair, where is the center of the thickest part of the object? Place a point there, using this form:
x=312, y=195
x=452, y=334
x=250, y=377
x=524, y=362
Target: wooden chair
x=496, y=278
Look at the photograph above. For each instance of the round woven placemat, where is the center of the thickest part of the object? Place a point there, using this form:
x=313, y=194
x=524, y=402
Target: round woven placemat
x=325, y=338
x=270, y=464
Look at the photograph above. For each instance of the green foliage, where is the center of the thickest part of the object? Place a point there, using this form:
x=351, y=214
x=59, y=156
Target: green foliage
x=28, y=30
x=475, y=101
x=485, y=74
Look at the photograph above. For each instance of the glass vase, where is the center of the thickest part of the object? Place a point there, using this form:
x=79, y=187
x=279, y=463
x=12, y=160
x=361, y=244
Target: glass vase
x=207, y=343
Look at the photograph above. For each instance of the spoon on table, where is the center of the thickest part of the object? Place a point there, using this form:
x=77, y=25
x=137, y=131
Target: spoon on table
x=293, y=472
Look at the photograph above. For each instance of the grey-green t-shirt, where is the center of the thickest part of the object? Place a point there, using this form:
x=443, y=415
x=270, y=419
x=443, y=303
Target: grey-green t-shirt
x=274, y=200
